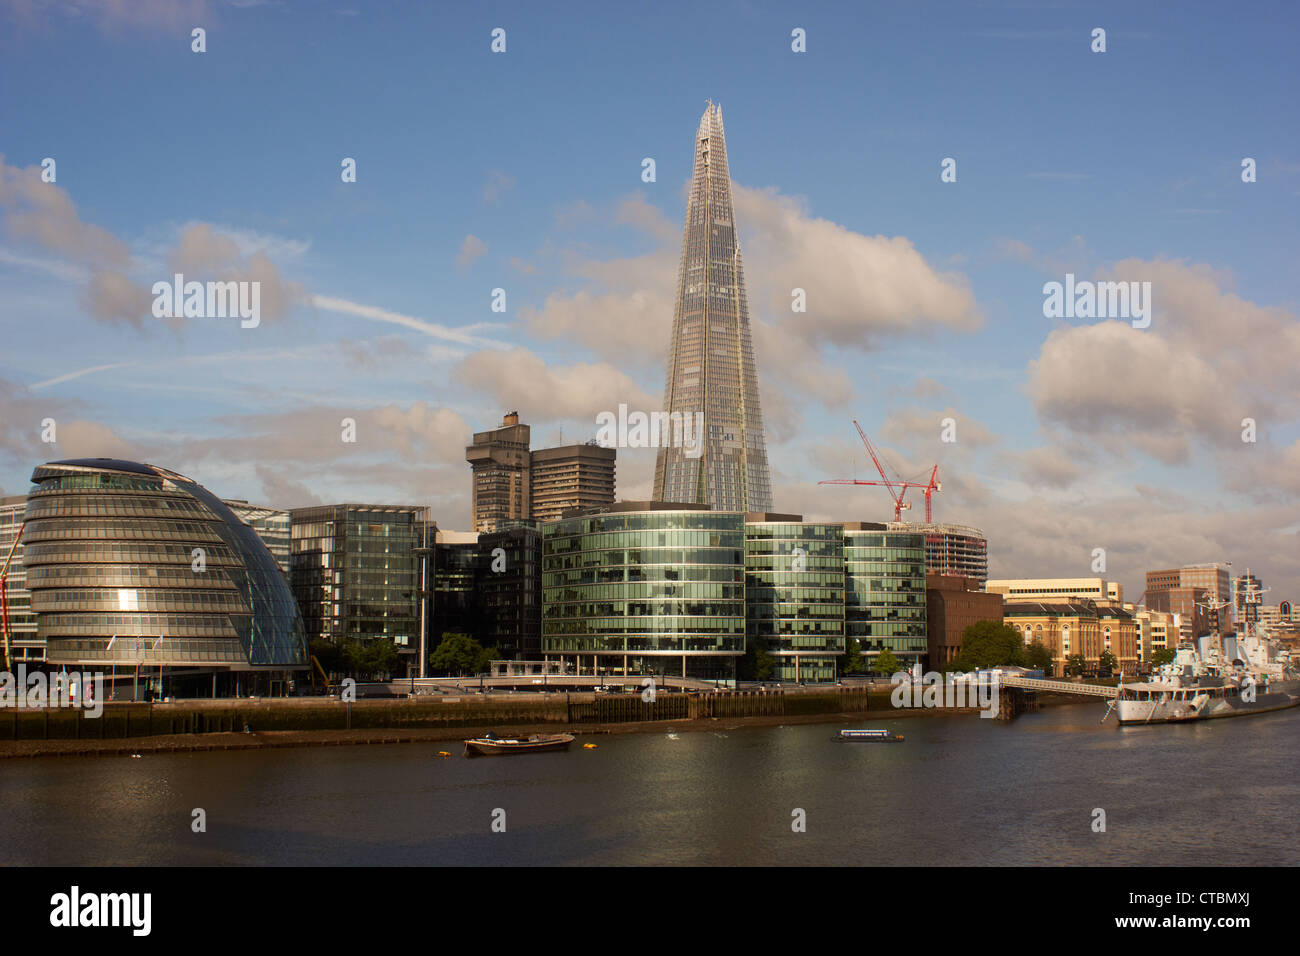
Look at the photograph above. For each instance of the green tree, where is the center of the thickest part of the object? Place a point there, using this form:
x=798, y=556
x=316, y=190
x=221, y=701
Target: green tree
x=458, y=655
x=757, y=664
x=988, y=644
x=886, y=663
x=379, y=656
x=1075, y=665
x=1107, y=663
x=851, y=662
x=1164, y=655
x=1036, y=655
x=328, y=654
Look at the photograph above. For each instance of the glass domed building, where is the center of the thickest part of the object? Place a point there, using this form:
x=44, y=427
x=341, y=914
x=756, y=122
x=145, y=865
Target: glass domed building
x=133, y=565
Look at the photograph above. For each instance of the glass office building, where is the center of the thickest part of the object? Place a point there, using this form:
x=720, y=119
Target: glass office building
x=794, y=594
x=885, y=591
x=271, y=524
x=355, y=571
x=645, y=587
x=132, y=564
x=25, y=645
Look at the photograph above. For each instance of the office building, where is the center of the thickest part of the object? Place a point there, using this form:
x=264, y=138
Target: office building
x=271, y=524
x=1065, y=628
x=711, y=374
x=509, y=592
x=133, y=565
x=1056, y=589
x=645, y=588
x=512, y=483
x=355, y=572
x=1156, y=631
x=501, y=466
x=794, y=594
x=1200, y=592
x=571, y=476
x=25, y=644
x=884, y=590
x=952, y=604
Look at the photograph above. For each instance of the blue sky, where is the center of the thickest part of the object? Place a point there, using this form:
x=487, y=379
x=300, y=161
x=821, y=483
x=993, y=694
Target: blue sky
x=1072, y=434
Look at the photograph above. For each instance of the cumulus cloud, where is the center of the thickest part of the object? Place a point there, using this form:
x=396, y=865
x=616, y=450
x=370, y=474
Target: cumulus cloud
x=860, y=289
x=280, y=491
x=471, y=250
x=1050, y=465
x=518, y=378
x=22, y=418
x=45, y=214
x=1208, y=360
x=922, y=430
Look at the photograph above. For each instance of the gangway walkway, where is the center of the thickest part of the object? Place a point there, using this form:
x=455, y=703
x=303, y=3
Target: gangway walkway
x=1059, y=686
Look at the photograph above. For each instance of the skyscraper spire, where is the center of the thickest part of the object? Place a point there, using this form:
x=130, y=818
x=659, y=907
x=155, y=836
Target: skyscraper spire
x=711, y=361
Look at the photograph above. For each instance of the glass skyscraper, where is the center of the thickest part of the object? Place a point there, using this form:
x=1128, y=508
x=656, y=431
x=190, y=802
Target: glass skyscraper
x=711, y=367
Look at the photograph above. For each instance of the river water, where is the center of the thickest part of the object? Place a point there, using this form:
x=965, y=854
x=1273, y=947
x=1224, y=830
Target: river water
x=961, y=790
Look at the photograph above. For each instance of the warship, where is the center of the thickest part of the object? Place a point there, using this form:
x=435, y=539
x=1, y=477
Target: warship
x=1233, y=677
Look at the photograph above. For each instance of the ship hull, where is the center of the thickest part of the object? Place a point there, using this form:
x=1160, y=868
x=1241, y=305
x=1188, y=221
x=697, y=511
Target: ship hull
x=1179, y=711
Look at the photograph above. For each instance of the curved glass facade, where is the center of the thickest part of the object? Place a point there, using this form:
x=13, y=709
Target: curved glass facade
x=885, y=593
x=646, y=592
x=794, y=594
x=110, y=548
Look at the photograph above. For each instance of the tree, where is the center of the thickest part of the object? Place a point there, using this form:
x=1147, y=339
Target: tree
x=988, y=644
x=851, y=662
x=1107, y=664
x=459, y=655
x=1164, y=655
x=1075, y=664
x=1036, y=655
x=757, y=664
x=379, y=657
x=886, y=662
x=328, y=654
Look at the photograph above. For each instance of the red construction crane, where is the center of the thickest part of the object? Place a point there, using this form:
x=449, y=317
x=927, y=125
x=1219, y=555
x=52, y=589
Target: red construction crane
x=896, y=486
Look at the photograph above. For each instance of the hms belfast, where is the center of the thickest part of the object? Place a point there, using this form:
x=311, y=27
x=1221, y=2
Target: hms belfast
x=711, y=361
x=1250, y=675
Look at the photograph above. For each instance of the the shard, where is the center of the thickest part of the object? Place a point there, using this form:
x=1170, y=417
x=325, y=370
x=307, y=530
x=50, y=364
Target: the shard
x=711, y=359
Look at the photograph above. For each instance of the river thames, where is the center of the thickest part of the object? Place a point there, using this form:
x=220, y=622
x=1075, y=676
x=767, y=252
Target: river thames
x=959, y=791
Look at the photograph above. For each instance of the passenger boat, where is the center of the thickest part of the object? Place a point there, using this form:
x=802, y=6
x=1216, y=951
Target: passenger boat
x=877, y=736
x=490, y=745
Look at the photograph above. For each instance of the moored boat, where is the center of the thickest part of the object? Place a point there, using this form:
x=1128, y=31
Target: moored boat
x=876, y=736
x=490, y=745
x=1254, y=677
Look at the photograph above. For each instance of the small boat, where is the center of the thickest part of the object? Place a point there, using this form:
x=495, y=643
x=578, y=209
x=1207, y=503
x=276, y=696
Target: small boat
x=490, y=745
x=875, y=736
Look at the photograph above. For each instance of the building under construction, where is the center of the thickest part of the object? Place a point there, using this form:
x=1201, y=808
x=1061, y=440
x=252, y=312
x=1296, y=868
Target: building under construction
x=951, y=548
